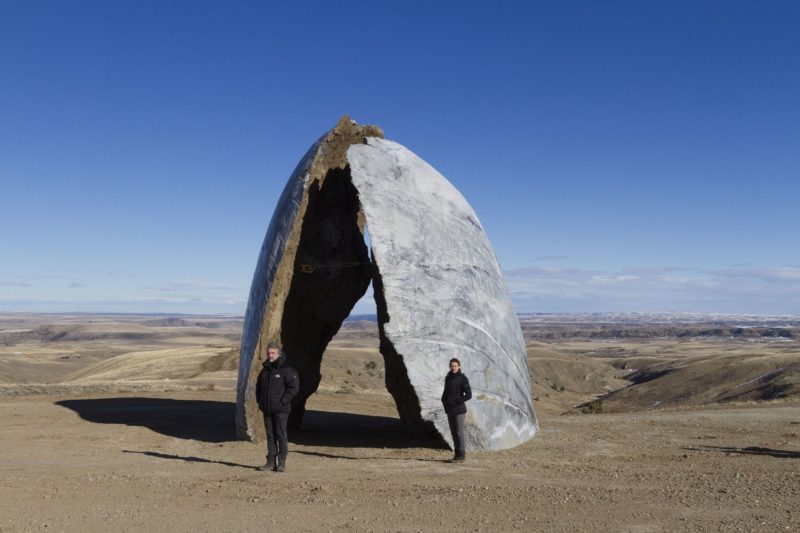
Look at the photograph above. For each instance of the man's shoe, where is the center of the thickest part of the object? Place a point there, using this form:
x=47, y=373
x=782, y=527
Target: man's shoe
x=281, y=465
x=459, y=457
x=269, y=466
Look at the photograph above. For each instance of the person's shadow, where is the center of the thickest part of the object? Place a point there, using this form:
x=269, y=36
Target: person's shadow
x=190, y=459
x=751, y=450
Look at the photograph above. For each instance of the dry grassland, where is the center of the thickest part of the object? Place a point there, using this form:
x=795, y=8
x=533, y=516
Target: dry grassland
x=125, y=423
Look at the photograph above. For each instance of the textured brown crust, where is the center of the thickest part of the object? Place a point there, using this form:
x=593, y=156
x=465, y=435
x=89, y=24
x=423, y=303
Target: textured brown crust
x=309, y=299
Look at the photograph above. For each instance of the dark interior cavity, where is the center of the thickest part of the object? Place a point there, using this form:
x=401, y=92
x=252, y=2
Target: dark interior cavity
x=332, y=272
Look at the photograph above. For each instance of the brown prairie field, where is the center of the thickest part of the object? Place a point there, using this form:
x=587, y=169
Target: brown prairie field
x=125, y=423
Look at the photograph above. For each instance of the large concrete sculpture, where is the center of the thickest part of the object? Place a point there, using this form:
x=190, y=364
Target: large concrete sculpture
x=438, y=287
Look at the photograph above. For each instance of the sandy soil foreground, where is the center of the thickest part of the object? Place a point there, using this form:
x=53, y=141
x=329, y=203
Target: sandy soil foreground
x=169, y=461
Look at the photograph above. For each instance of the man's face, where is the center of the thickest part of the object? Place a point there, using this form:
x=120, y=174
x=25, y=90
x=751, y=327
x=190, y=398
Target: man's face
x=272, y=355
x=454, y=367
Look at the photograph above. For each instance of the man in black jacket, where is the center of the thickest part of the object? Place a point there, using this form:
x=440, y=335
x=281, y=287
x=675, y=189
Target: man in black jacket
x=456, y=393
x=277, y=384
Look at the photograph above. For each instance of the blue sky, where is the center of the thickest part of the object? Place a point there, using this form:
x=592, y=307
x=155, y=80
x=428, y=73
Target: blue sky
x=622, y=156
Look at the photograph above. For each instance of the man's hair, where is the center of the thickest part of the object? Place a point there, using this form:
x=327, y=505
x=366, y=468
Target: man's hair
x=275, y=346
x=454, y=360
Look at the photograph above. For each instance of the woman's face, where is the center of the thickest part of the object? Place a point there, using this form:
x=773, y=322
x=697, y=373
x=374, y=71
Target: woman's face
x=454, y=367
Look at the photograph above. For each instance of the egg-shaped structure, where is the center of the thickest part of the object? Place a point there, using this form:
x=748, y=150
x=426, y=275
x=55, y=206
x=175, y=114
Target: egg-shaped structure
x=438, y=287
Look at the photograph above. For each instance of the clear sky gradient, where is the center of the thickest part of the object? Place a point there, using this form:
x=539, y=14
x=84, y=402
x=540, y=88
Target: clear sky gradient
x=622, y=156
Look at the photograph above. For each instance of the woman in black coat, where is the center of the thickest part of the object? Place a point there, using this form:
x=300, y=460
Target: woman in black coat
x=455, y=395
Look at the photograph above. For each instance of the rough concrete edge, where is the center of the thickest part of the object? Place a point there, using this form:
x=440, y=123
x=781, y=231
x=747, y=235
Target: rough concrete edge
x=331, y=152
x=396, y=378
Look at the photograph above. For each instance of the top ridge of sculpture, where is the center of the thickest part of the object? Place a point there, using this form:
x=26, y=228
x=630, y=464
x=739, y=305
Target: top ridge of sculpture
x=438, y=288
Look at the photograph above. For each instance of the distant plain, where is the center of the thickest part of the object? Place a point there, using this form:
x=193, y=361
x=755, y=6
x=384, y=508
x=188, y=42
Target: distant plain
x=649, y=423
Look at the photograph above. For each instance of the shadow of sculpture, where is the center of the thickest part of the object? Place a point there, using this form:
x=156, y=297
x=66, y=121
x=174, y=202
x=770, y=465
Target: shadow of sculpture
x=383, y=459
x=202, y=420
x=213, y=421
x=751, y=450
x=190, y=459
x=350, y=430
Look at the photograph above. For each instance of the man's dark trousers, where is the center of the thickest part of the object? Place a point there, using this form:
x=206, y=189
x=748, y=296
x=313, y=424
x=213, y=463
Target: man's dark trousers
x=277, y=443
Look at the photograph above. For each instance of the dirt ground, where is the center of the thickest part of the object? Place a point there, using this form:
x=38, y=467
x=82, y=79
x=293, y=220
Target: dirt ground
x=169, y=461
x=125, y=423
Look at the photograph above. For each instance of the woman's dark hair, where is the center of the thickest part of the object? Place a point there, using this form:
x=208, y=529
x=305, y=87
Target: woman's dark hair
x=454, y=360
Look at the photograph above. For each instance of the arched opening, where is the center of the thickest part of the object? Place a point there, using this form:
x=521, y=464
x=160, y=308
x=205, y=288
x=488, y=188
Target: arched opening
x=351, y=407
x=332, y=272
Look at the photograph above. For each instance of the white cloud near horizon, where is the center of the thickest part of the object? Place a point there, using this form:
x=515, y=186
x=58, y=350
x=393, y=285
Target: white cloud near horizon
x=736, y=290
x=188, y=286
x=226, y=306
x=16, y=284
x=767, y=290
